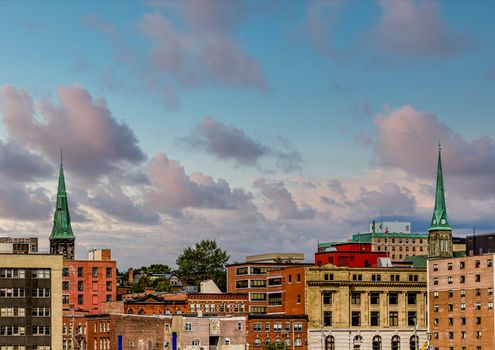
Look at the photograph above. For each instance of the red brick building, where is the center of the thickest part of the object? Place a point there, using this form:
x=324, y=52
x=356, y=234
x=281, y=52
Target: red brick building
x=288, y=329
x=349, y=254
x=273, y=286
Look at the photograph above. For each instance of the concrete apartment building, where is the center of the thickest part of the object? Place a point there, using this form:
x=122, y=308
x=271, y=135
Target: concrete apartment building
x=19, y=245
x=30, y=302
x=366, y=308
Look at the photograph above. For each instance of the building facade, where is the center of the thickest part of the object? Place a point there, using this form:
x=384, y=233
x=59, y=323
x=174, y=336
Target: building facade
x=19, y=245
x=366, y=308
x=350, y=254
x=30, y=302
x=277, y=328
x=460, y=292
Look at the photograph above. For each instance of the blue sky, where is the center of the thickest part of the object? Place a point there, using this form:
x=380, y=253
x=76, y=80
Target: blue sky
x=283, y=123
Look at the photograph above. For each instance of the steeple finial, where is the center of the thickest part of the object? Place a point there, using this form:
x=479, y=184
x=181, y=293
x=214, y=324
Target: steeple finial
x=439, y=220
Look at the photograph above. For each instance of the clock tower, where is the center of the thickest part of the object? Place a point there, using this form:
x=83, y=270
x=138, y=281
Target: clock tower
x=440, y=233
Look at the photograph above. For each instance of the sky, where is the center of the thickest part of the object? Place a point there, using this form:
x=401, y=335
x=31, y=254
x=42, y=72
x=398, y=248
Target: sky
x=266, y=125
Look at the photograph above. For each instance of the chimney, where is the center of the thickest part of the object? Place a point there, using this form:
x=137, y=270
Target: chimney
x=373, y=226
x=131, y=276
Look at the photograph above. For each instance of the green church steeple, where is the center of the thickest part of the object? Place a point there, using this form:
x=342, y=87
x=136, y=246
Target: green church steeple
x=62, y=238
x=439, y=220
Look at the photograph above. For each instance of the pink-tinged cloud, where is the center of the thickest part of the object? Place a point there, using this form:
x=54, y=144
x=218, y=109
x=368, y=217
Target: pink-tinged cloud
x=94, y=142
x=417, y=28
x=280, y=199
x=407, y=139
x=204, y=50
x=173, y=189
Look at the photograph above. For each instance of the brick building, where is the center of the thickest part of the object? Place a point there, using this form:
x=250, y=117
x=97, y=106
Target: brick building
x=460, y=292
x=273, y=285
x=219, y=304
x=350, y=254
x=30, y=302
x=289, y=329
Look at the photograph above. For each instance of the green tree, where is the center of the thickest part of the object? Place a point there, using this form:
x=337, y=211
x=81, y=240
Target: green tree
x=204, y=261
x=158, y=268
x=276, y=346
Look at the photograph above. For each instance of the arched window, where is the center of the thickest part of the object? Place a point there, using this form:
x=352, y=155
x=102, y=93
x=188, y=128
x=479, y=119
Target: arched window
x=141, y=312
x=330, y=343
x=130, y=312
x=377, y=343
x=395, y=342
x=358, y=340
x=412, y=342
x=257, y=342
x=267, y=341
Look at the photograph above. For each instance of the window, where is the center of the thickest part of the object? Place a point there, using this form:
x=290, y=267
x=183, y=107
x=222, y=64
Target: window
x=413, y=342
x=395, y=278
x=241, y=284
x=109, y=286
x=329, y=343
x=80, y=299
x=65, y=285
x=451, y=293
x=239, y=326
x=449, y=266
x=375, y=318
x=463, y=306
x=435, y=295
x=327, y=298
x=478, y=292
x=411, y=298
x=80, y=272
x=478, y=334
x=108, y=272
x=94, y=272
x=451, y=307
x=393, y=318
x=435, y=308
x=276, y=281
x=109, y=297
x=490, y=305
x=489, y=263
x=65, y=299
x=241, y=271
x=435, y=267
x=196, y=342
x=435, y=321
x=395, y=342
x=463, y=321
x=413, y=278
x=411, y=318
x=298, y=277
x=356, y=318
x=275, y=299
x=298, y=327
x=298, y=342
x=462, y=279
x=356, y=298
x=188, y=326
x=327, y=318
x=65, y=272
x=257, y=296
x=451, y=321
x=299, y=298
x=289, y=278
x=257, y=342
x=449, y=280
x=377, y=343
x=277, y=327
x=393, y=298
x=329, y=277
x=435, y=280
x=463, y=292
x=478, y=278
x=374, y=298
x=267, y=327
x=41, y=330
x=357, y=277
x=478, y=306
x=376, y=278
x=477, y=264
x=80, y=286
x=258, y=283
x=461, y=265
x=478, y=320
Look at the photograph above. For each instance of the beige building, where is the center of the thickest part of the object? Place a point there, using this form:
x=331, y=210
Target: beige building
x=30, y=302
x=366, y=308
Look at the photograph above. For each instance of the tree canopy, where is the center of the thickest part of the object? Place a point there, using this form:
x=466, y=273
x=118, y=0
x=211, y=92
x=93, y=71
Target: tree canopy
x=203, y=261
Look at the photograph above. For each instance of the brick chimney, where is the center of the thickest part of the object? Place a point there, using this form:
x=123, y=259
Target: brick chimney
x=131, y=276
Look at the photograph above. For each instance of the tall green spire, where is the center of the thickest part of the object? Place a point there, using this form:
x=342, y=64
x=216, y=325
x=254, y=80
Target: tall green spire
x=61, y=220
x=439, y=220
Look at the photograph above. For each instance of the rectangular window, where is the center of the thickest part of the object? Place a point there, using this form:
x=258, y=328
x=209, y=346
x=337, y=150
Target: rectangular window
x=298, y=327
x=461, y=265
x=258, y=283
x=275, y=299
x=65, y=285
x=241, y=284
x=435, y=280
x=478, y=278
x=328, y=277
x=257, y=296
x=108, y=272
x=80, y=286
x=393, y=298
x=289, y=278
x=356, y=318
x=80, y=271
x=374, y=298
x=357, y=277
x=462, y=279
x=80, y=299
x=277, y=327
x=94, y=272
x=276, y=281
x=298, y=277
x=449, y=266
x=65, y=272
x=477, y=264
x=109, y=286
x=327, y=318
x=411, y=298
x=356, y=298
x=65, y=299
x=393, y=318
x=411, y=318
x=267, y=327
x=257, y=327
x=241, y=271
x=375, y=318
x=327, y=298
x=376, y=277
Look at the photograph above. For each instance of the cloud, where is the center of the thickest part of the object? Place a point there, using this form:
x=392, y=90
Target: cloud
x=93, y=141
x=19, y=164
x=173, y=189
x=416, y=28
x=280, y=199
x=229, y=142
x=204, y=49
x=407, y=139
x=19, y=202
